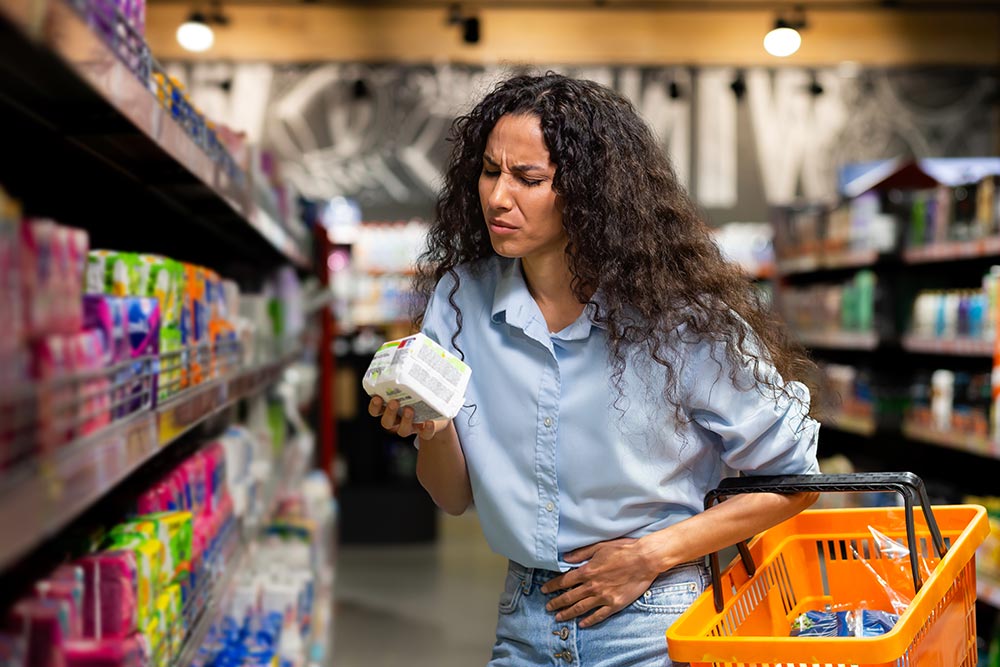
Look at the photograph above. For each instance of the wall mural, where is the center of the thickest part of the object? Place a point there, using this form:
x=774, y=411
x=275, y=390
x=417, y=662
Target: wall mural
x=378, y=132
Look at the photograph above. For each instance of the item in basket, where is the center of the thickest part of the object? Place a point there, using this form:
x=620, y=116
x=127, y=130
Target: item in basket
x=421, y=374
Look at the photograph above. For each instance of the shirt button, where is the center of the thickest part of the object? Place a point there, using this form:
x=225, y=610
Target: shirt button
x=548, y=422
x=550, y=506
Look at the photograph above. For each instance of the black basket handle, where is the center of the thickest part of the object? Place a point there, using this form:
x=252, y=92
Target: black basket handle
x=906, y=484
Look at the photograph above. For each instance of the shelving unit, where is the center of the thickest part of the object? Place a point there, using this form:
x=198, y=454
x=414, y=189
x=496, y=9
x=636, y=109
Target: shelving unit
x=43, y=496
x=988, y=591
x=852, y=424
x=90, y=140
x=967, y=443
x=958, y=347
x=891, y=368
x=82, y=118
x=840, y=340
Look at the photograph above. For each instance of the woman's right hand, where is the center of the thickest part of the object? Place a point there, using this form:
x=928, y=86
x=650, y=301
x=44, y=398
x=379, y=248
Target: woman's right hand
x=400, y=422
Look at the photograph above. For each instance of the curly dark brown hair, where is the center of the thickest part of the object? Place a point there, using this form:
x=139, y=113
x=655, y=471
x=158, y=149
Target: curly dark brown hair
x=634, y=234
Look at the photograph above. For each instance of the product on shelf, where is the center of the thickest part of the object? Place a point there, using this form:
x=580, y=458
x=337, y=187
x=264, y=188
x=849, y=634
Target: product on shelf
x=846, y=307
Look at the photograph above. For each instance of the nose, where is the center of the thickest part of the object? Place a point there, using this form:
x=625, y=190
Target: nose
x=500, y=196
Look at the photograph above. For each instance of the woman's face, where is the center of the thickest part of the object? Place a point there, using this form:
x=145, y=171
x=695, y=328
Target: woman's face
x=522, y=212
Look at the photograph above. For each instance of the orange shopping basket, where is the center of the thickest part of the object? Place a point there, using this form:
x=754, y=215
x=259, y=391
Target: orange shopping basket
x=811, y=562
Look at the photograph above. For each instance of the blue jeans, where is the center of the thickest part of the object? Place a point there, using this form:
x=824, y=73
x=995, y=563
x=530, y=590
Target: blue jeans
x=529, y=635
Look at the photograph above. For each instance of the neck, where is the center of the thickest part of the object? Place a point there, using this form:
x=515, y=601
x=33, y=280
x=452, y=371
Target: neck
x=549, y=282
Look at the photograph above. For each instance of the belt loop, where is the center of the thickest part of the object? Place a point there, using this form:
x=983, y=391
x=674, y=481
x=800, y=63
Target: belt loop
x=527, y=584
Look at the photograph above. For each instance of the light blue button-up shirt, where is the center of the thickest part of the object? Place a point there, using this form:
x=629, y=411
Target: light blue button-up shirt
x=559, y=458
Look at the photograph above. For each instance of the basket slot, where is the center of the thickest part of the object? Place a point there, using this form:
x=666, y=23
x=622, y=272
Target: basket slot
x=821, y=559
x=786, y=584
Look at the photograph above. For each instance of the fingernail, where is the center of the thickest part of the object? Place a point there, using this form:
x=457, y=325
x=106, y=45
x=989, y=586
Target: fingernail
x=548, y=607
x=560, y=617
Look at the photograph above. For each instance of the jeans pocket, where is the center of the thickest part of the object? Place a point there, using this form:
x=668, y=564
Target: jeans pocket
x=513, y=586
x=674, y=591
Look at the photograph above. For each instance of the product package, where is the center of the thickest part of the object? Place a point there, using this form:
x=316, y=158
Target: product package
x=421, y=374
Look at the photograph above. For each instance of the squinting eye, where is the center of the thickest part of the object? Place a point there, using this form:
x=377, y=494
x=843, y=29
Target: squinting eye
x=530, y=183
x=487, y=172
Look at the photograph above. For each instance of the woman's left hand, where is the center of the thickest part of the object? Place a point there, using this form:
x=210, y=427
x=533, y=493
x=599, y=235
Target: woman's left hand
x=617, y=573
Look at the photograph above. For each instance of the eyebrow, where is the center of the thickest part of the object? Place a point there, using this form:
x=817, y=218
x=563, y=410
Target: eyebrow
x=516, y=167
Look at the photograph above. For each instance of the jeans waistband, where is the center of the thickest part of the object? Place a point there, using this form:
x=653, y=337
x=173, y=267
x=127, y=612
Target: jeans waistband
x=540, y=575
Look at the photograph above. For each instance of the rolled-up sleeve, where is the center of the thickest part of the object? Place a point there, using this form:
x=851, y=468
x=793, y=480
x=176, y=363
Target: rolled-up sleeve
x=760, y=431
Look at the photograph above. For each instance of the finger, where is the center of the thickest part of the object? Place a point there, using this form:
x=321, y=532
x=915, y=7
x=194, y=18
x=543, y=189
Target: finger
x=578, y=609
x=427, y=430
x=390, y=417
x=567, y=599
x=375, y=406
x=582, y=554
x=602, y=614
x=562, y=582
x=406, y=423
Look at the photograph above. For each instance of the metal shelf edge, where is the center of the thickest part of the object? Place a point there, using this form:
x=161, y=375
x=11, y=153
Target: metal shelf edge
x=56, y=491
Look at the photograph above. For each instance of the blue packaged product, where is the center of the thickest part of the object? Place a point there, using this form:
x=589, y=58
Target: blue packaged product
x=874, y=622
x=143, y=333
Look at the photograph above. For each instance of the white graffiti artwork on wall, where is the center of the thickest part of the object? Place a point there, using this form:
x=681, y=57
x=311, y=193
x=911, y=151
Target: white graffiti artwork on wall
x=379, y=132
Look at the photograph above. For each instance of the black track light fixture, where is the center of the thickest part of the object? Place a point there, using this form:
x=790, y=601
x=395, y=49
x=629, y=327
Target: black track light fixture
x=468, y=24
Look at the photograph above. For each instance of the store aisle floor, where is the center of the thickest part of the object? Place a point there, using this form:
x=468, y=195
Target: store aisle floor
x=428, y=605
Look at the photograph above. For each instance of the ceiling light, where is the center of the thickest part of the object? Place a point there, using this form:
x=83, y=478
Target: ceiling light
x=783, y=40
x=195, y=34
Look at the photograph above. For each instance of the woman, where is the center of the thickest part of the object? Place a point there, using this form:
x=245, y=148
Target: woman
x=621, y=368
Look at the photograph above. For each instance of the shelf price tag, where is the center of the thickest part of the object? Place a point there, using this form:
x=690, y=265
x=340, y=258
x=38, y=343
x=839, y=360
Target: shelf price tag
x=186, y=410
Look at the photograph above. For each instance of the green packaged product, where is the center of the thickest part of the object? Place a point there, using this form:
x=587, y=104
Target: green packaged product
x=113, y=273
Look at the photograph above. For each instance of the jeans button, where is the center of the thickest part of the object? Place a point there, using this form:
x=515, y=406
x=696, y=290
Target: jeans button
x=564, y=634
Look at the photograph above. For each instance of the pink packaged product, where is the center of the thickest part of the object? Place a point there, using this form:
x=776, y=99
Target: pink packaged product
x=128, y=652
x=109, y=594
x=106, y=314
x=69, y=253
x=148, y=503
x=36, y=276
x=43, y=625
x=72, y=594
x=52, y=362
x=11, y=649
x=87, y=353
x=12, y=322
x=195, y=468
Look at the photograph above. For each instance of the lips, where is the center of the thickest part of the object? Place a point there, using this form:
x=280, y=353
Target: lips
x=501, y=225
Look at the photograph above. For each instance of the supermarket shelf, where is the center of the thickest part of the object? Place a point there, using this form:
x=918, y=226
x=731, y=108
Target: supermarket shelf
x=852, y=424
x=220, y=590
x=41, y=497
x=962, y=347
x=846, y=340
x=988, y=590
x=960, y=441
x=943, y=252
x=112, y=149
x=847, y=259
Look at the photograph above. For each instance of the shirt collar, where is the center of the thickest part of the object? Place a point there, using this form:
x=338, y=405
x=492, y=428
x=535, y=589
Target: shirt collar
x=513, y=303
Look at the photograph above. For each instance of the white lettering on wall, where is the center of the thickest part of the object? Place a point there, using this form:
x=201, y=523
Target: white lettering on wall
x=717, y=152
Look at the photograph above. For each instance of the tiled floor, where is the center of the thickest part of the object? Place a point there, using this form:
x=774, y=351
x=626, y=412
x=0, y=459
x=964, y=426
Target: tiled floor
x=429, y=605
